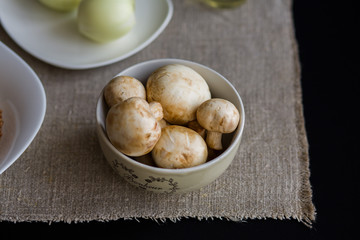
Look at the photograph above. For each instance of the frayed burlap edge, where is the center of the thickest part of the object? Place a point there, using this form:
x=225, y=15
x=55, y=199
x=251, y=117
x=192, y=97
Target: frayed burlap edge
x=157, y=219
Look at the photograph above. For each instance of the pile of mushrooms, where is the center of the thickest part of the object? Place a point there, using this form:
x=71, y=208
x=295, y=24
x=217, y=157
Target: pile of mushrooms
x=174, y=120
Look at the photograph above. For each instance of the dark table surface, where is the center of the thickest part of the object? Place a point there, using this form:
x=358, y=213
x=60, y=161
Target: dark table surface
x=325, y=31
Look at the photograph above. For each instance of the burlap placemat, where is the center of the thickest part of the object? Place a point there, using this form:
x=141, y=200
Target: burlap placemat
x=63, y=175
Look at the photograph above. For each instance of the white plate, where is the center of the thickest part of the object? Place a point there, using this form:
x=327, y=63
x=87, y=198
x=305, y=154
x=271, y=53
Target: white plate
x=23, y=105
x=53, y=36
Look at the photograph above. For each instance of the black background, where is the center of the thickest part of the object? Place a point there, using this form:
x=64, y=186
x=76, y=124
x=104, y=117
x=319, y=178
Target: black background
x=328, y=46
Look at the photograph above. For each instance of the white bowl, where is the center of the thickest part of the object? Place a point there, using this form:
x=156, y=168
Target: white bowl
x=23, y=105
x=162, y=180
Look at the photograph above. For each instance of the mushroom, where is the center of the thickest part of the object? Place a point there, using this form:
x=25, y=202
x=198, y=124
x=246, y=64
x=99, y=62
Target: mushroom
x=180, y=90
x=132, y=128
x=217, y=116
x=121, y=88
x=179, y=147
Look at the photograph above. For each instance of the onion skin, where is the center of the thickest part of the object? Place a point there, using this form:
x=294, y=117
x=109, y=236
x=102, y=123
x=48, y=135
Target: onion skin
x=105, y=20
x=61, y=5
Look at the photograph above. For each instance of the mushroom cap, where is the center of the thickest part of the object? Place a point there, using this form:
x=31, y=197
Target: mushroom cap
x=218, y=115
x=131, y=127
x=180, y=91
x=179, y=147
x=121, y=88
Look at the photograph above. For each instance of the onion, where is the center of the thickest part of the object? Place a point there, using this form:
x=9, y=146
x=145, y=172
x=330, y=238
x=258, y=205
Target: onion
x=61, y=5
x=105, y=20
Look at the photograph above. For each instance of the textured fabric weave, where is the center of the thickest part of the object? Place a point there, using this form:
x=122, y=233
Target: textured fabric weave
x=63, y=175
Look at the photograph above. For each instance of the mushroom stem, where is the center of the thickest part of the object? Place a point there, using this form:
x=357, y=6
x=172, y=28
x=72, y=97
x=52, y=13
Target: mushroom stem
x=213, y=140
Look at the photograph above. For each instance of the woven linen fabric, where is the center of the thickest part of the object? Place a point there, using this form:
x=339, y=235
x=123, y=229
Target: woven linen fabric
x=63, y=175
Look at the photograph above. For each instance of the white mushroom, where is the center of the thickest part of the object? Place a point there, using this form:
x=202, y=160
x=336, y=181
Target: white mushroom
x=121, y=88
x=132, y=128
x=218, y=116
x=180, y=90
x=179, y=147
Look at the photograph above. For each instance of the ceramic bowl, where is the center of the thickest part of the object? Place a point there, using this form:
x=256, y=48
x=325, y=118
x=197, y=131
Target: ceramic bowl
x=23, y=105
x=160, y=180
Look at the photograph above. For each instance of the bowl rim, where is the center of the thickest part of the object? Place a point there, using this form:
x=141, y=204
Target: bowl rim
x=237, y=135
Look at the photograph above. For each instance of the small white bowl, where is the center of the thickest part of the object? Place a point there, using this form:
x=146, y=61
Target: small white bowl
x=162, y=180
x=23, y=105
